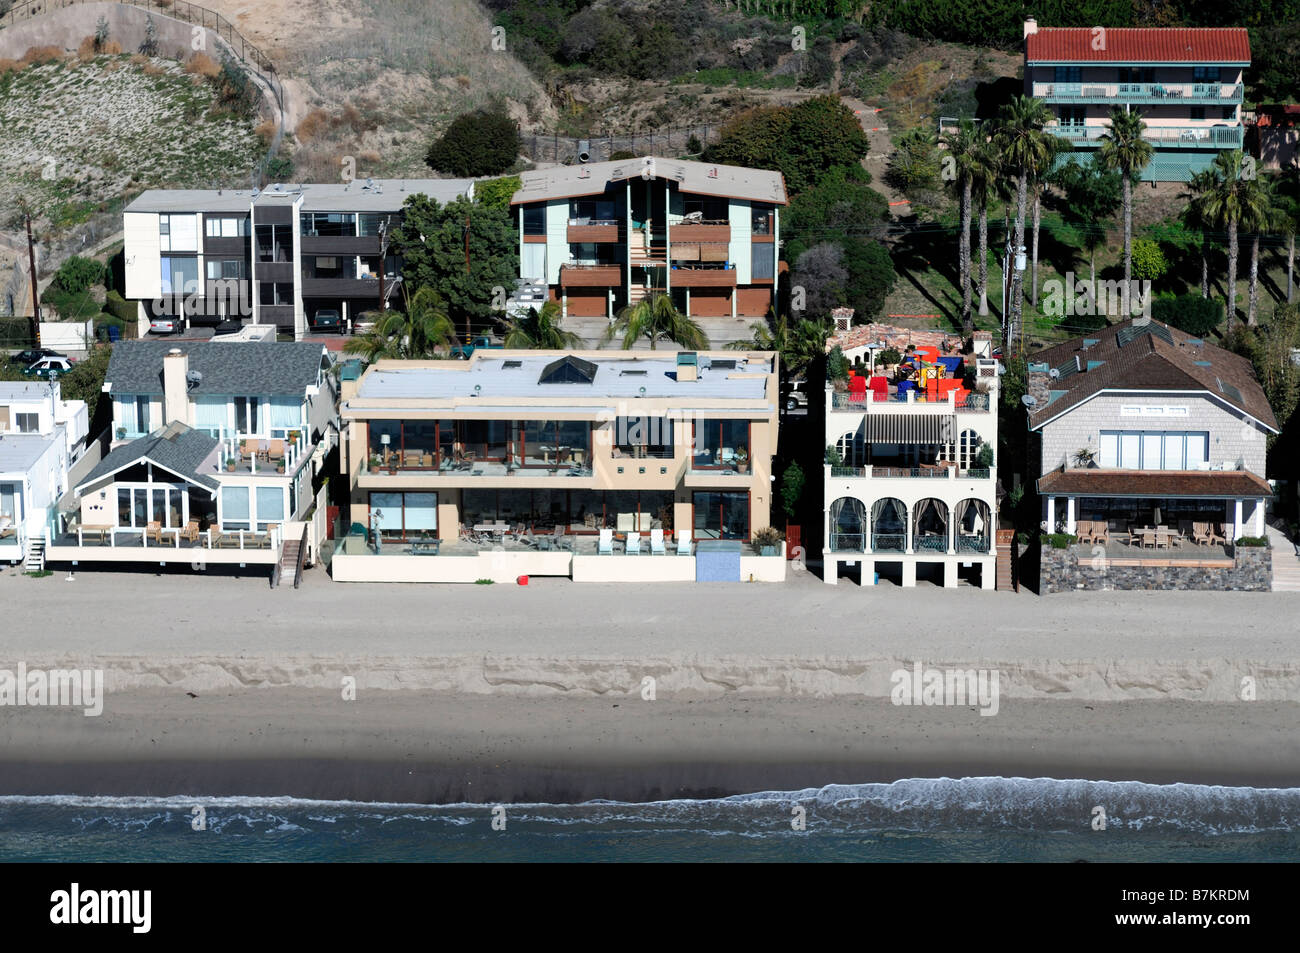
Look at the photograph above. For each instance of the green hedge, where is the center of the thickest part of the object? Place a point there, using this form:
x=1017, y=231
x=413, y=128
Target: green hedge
x=1059, y=540
x=1253, y=541
x=121, y=309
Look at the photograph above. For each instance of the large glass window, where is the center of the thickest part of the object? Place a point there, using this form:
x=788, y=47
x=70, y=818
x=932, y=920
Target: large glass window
x=721, y=515
x=270, y=506
x=1154, y=450
x=534, y=219
x=235, y=508
x=644, y=437
x=178, y=233
x=762, y=261
x=133, y=415
x=225, y=226
x=328, y=223
x=225, y=268
x=286, y=416
x=553, y=443
x=274, y=243
x=180, y=275
x=720, y=444
x=211, y=416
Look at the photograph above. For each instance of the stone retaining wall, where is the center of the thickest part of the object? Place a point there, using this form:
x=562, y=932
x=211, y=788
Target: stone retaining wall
x=1063, y=570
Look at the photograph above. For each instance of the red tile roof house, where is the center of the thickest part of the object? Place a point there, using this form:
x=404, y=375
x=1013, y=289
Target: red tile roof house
x=1187, y=83
x=1141, y=426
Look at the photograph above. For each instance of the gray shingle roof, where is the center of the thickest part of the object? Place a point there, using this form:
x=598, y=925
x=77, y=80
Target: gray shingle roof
x=245, y=368
x=176, y=447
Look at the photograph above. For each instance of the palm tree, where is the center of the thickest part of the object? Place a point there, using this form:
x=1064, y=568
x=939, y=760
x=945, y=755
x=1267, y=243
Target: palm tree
x=1193, y=217
x=539, y=330
x=413, y=334
x=983, y=176
x=962, y=146
x=1056, y=146
x=1288, y=207
x=1024, y=147
x=797, y=344
x=1260, y=215
x=657, y=319
x=1231, y=199
x=1123, y=148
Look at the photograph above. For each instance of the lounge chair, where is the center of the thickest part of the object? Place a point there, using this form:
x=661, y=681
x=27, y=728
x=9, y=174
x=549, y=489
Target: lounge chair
x=275, y=452
x=1201, y=534
x=605, y=543
x=558, y=539
x=191, y=531
x=153, y=531
x=7, y=527
x=683, y=542
x=1083, y=530
x=633, y=547
x=1100, y=531
x=657, y=543
x=251, y=449
x=1216, y=533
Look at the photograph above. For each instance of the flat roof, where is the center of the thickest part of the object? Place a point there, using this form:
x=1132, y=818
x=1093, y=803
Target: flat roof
x=621, y=377
x=698, y=178
x=19, y=452
x=387, y=195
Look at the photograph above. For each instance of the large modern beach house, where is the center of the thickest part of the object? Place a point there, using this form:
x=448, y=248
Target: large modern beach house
x=1153, y=450
x=1187, y=84
x=914, y=494
x=214, y=458
x=606, y=234
x=549, y=462
x=278, y=256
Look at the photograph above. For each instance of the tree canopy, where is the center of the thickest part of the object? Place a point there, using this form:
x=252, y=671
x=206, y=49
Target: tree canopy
x=483, y=142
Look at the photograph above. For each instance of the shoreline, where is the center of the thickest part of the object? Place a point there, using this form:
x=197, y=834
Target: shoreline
x=408, y=747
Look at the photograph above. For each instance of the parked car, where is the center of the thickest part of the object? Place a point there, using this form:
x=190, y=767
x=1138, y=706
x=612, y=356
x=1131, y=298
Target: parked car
x=796, y=395
x=464, y=351
x=47, y=366
x=327, y=319
x=29, y=357
x=165, y=325
x=227, y=327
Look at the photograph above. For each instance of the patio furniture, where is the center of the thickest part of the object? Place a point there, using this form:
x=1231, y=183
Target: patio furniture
x=657, y=543
x=683, y=542
x=100, y=532
x=7, y=527
x=1083, y=531
x=1148, y=537
x=605, y=543
x=1201, y=534
x=275, y=452
x=633, y=546
x=1100, y=531
x=153, y=531
x=1164, y=537
x=250, y=449
x=1216, y=533
x=191, y=531
x=424, y=547
x=626, y=522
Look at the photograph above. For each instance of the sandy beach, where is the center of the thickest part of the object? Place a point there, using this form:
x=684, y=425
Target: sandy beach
x=501, y=693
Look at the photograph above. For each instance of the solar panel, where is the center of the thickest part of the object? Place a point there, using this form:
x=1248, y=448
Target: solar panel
x=1141, y=326
x=1067, y=368
x=1229, y=391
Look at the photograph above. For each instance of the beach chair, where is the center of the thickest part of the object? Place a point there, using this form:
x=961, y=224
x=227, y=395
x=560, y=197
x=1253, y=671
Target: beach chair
x=633, y=547
x=1201, y=534
x=657, y=543
x=250, y=449
x=1083, y=530
x=275, y=452
x=153, y=531
x=605, y=543
x=1100, y=531
x=558, y=539
x=1216, y=533
x=191, y=531
x=683, y=542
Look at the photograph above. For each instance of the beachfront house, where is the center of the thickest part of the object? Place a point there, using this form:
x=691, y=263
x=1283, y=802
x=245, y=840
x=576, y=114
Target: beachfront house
x=910, y=482
x=296, y=257
x=216, y=446
x=554, y=462
x=1153, y=446
x=1187, y=84
x=42, y=437
x=602, y=235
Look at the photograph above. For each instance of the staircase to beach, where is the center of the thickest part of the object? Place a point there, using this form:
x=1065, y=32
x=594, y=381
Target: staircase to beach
x=35, y=561
x=1286, y=564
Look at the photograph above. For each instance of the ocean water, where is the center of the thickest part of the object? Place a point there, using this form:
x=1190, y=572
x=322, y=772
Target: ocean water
x=935, y=819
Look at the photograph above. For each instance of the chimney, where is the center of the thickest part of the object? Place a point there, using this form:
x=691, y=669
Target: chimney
x=176, y=401
x=1031, y=27
x=1039, y=384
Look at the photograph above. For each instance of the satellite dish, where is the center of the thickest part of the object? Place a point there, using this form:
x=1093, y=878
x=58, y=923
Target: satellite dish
x=1002, y=369
x=1053, y=373
x=1029, y=401
x=194, y=378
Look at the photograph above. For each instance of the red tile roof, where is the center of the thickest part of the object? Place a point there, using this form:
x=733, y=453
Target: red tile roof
x=1185, y=483
x=1139, y=45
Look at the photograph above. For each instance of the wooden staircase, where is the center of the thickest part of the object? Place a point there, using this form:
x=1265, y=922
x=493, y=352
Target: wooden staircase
x=292, y=556
x=656, y=253
x=1005, y=545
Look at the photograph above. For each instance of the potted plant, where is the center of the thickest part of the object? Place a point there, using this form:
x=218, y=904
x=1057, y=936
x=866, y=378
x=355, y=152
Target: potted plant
x=742, y=460
x=230, y=464
x=375, y=464
x=1084, y=457
x=294, y=435
x=767, y=541
x=121, y=433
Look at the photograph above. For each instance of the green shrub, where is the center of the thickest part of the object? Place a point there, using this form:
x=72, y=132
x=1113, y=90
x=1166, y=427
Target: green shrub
x=1258, y=541
x=1149, y=262
x=484, y=582
x=484, y=142
x=837, y=365
x=120, y=308
x=888, y=357
x=984, y=457
x=77, y=274
x=833, y=455
x=497, y=192
x=1059, y=540
x=1189, y=313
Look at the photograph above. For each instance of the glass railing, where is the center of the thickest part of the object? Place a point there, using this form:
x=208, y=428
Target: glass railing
x=848, y=471
x=888, y=542
x=978, y=473
x=848, y=542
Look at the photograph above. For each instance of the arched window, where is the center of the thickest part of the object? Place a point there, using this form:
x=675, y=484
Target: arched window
x=968, y=447
x=848, y=519
x=888, y=525
x=974, y=529
x=930, y=525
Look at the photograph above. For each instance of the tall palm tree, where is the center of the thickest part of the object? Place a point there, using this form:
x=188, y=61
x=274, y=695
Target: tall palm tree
x=412, y=334
x=539, y=330
x=962, y=145
x=1023, y=145
x=1287, y=200
x=1056, y=147
x=1193, y=217
x=1231, y=198
x=657, y=319
x=1260, y=215
x=1123, y=148
x=984, y=174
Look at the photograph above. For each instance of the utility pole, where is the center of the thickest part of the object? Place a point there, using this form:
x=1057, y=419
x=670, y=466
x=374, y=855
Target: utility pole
x=36, y=297
x=383, y=253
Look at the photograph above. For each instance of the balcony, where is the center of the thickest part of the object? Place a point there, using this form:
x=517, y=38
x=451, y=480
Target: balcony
x=1221, y=136
x=251, y=454
x=350, y=287
x=280, y=272
x=717, y=231
x=702, y=277
x=591, y=276
x=1160, y=93
x=345, y=245
x=593, y=230
x=936, y=471
x=910, y=401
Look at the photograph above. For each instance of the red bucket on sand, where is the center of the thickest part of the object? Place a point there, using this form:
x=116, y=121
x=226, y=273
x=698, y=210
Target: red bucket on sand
x=522, y=580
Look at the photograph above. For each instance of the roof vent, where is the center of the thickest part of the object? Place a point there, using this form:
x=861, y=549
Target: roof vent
x=688, y=366
x=512, y=364
x=194, y=378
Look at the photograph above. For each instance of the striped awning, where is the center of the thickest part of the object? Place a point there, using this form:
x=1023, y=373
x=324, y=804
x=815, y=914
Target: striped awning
x=910, y=428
